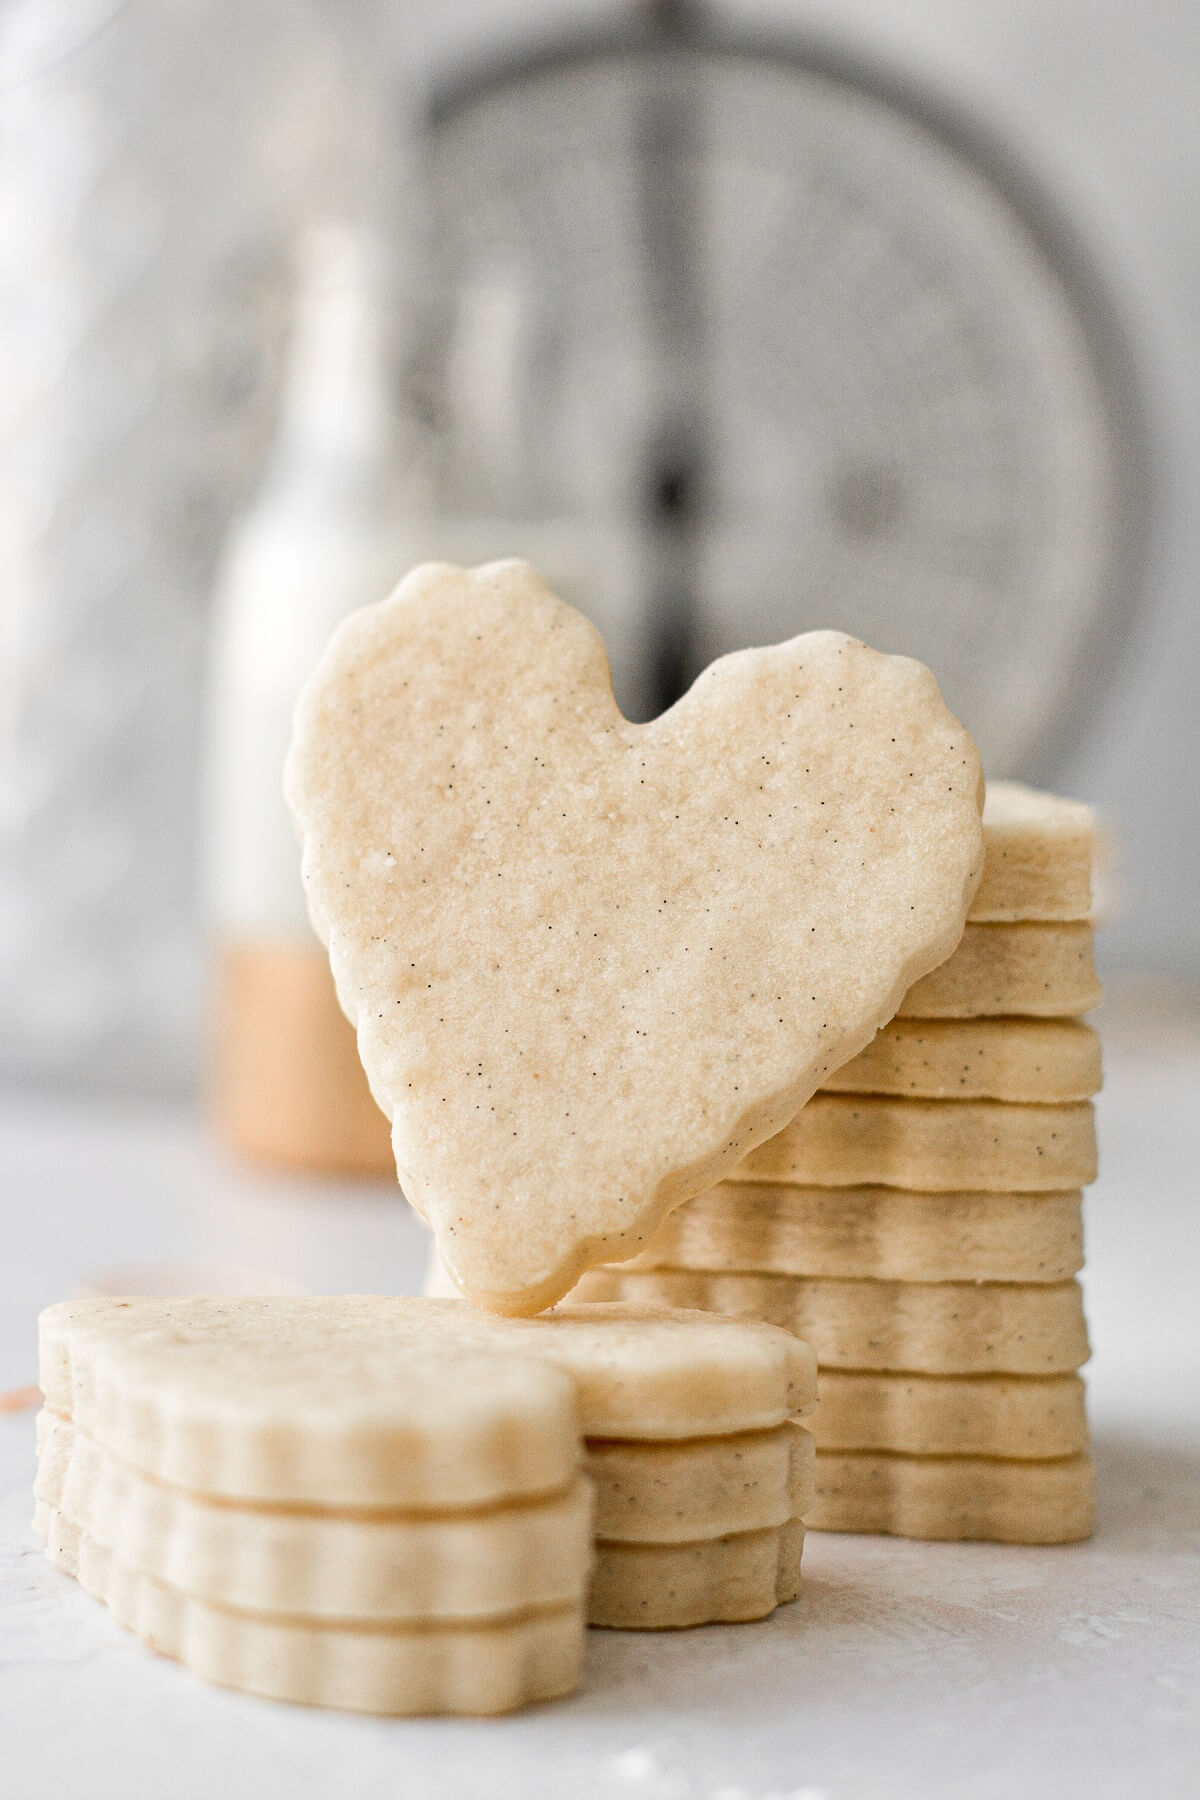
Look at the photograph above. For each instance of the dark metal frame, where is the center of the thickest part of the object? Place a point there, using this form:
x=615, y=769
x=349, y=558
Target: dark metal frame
x=1061, y=241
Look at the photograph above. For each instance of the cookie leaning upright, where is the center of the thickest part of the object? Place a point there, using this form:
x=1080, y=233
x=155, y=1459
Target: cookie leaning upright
x=542, y=918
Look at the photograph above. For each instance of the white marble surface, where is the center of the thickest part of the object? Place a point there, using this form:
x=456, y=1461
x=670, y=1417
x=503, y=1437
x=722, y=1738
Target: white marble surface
x=910, y=1671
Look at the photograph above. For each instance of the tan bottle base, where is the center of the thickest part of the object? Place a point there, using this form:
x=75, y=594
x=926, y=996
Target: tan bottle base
x=287, y=1084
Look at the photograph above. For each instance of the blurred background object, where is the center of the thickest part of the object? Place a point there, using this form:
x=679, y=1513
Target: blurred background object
x=326, y=533
x=156, y=164
x=827, y=346
x=736, y=324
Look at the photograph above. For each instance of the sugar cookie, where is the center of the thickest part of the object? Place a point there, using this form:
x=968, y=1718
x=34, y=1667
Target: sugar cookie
x=889, y=1234
x=1037, y=1060
x=1037, y=855
x=946, y=1328
x=1042, y=970
x=703, y=1488
x=492, y=1666
x=361, y=1399
x=648, y=1372
x=358, y=1400
x=317, y=1565
x=860, y=1140
x=661, y=1587
x=951, y=1415
x=541, y=917
x=955, y=1497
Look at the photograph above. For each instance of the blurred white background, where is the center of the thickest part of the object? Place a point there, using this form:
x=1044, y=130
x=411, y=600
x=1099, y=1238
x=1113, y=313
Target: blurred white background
x=157, y=164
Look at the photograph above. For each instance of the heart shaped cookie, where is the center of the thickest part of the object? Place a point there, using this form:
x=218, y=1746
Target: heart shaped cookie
x=593, y=963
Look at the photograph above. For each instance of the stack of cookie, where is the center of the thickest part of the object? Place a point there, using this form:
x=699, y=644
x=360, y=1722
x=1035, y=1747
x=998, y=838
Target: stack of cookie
x=318, y=1500
x=920, y=1220
x=706, y=1530
x=703, y=1473
x=398, y=1505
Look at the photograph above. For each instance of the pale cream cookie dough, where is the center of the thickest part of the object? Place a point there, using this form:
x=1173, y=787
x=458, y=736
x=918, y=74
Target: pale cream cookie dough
x=727, y=1580
x=334, y=1501
x=238, y=1478
x=471, y=1666
x=1043, y=970
x=888, y=1234
x=1032, y=1060
x=541, y=917
x=313, y=1564
x=701, y=1487
x=1038, y=851
x=352, y=1401
x=866, y=1140
x=364, y=1399
x=370, y=1563
x=1022, y=1416
x=1010, y=1502
x=947, y=1328
x=698, y=1488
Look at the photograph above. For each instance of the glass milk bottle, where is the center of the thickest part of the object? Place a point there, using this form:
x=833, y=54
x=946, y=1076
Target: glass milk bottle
x=331, y=529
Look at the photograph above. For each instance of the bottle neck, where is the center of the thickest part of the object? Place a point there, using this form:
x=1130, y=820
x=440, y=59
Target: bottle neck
x=338, y=441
